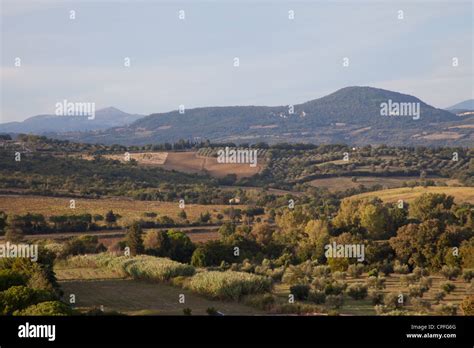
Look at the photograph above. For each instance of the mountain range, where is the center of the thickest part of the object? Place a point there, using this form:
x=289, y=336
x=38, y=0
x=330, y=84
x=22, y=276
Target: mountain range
x=44, y=124
x=350, y=115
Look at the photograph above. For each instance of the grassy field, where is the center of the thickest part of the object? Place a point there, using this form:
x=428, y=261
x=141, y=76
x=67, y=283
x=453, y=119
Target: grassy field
x=461, y=194
x=136, y=297
x=187, y=162
x=344, y=183
x=393, y=284
x=129, y=209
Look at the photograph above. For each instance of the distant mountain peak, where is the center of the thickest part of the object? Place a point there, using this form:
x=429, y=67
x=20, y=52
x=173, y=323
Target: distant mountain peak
x=464, y=105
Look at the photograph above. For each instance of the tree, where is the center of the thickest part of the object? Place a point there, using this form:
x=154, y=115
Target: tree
x=262, y=233
x=134, y=239
x=421, y=244
x=14, y=232
x=182, y=215
x=311, y=247
x=226, y=230
x=110, y=218
x=432, y=206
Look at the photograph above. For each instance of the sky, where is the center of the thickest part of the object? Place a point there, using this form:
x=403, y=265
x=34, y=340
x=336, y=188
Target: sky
x=191, y=62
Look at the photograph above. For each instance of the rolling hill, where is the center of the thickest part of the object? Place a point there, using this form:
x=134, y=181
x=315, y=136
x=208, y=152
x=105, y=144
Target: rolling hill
x=45, y=124
x=350, y=115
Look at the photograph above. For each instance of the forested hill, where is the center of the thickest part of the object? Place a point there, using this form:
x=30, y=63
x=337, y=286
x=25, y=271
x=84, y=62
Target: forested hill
x=350, y=115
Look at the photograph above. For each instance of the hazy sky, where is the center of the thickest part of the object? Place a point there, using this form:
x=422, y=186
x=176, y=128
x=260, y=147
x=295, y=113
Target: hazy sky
x=190, y=61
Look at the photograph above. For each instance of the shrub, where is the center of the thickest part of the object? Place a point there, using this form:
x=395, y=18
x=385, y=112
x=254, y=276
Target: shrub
x=426, y=282
x=467, y=275
x=407, y=279
x=300, y=291
x=322, y=271
x=229, y=284
x=376, y=282
x=448, y=287
x=373, y=272
x=358, y=291
x=376, y=297
x=9, y=278
x=450, y=272
x=420, y=272
x=400, y=268
x=355, y=270
x=395, y=300
x=338, y=275
x=260, y=301
x=187, y=311
x=318, y=297
x=440, y=295
x=334, y=301
x=20, y=297
x=416, y=290
x=335, y=288
x=320, y=283
x=448, y=309
x=48, y=308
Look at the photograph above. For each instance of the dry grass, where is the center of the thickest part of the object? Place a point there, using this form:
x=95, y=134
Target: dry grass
x=344, y=183
x=190, y=162
x=129, y=209
x=187, y=162
x=143, y=158
x=460, y=194
x=135, y=297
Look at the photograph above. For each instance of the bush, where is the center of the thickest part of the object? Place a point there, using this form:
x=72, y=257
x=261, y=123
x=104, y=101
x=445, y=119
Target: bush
x=467, y=275
x=21, y=297
x=400, y=268
x=138, y=267
x=450, y=272
x=395, y=300
x=448, y=287
x=440, y=295
x=321, y=271
x=229, y=284
x=335, y=288
x=376, y=282
x=416, y=290
x=300, y=291
x=260, y=301
x=355, y=270
x=373, y=272
x=420, y=272
x=358, y=291
x=448, y=309
x=9, y=278
x=407, y=279
x=318, y=297
x=376, y=297
x=426, y=282
x=48, y=308
x=212, y=253
x=334, y=301
x=320, y=283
